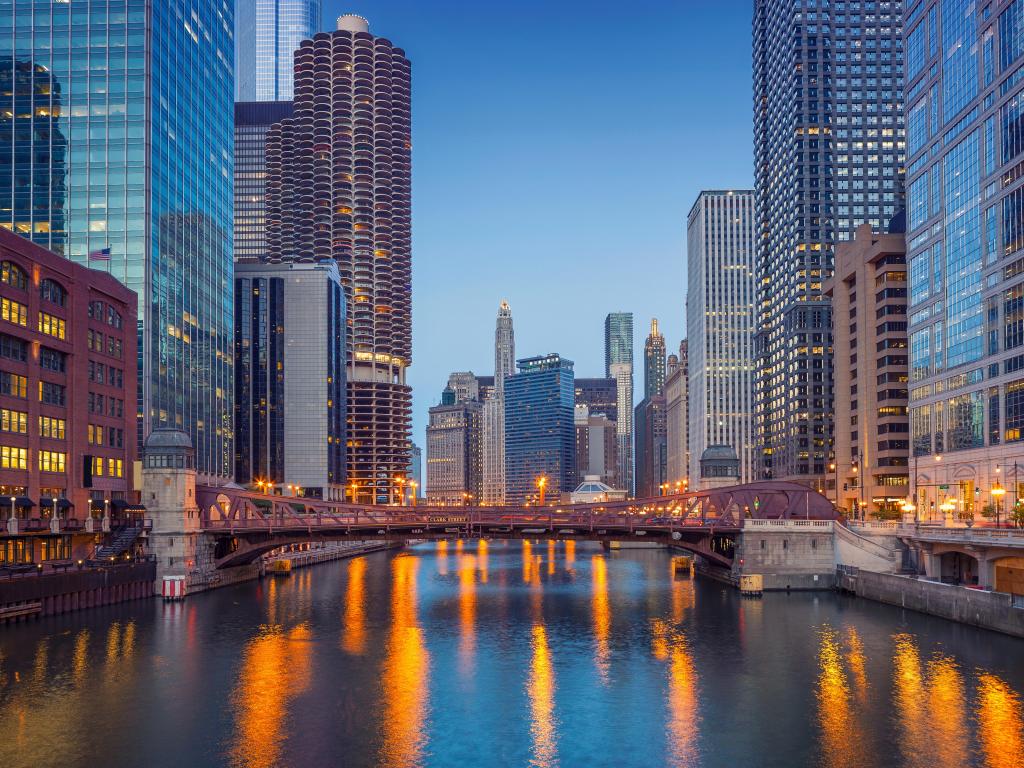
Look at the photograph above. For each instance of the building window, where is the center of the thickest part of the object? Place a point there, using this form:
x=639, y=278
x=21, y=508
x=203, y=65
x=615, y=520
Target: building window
x=97, y=466
x=52, y=360
x=13, y=458
x=13, y=421
x=14, y=385
x=95, y=434
x=13, y=348
x=51, y=461
x=52, y=291
x=13, y=275
x=13, y=312
x=51, y=427
x=51, y=325
x=51, y=394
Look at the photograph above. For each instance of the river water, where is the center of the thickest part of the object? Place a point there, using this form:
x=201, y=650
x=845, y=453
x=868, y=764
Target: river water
x=507, y=654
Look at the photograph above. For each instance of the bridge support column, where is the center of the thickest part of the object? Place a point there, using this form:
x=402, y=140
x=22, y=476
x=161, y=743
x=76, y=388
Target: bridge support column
x=169, y=491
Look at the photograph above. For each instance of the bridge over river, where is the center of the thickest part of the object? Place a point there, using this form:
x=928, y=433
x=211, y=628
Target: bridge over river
x=245, y=525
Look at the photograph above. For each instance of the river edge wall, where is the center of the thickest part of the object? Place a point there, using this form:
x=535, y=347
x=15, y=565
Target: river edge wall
x=989, y=610
x=51, y=594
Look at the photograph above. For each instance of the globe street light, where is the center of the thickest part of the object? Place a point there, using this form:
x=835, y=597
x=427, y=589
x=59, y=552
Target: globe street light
x=997, y=492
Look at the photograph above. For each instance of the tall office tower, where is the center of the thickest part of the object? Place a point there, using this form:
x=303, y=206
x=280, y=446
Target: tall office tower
x=599, y=395
x=965, y=237
x=339, y=187
x=651, y=446
x=33, y=152
x=720, y=326
x=677, y=427
x=465, y=385
x=540, y=435
x=252, y=121
x=267, y=34
x=416, y=488
x=618, y=365
x=453, y=451
x=130, y=145
x=654, y=361
x=828, y=136
x=493, y=442
x=869, y=291
x=290, y=377
x=595, y=446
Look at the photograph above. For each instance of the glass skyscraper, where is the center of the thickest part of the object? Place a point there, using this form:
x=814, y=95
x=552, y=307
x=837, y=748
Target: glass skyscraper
x=965, y=241
x=252, y=121
x=120, y=138
x=618, y=365
x=268, y=34
x=540, y=435
x=828, y=129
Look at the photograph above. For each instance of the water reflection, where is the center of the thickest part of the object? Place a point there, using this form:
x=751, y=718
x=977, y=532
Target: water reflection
x=527, y=562
x=855, y=660
x=275, y=669
x=841, y=739
x=481, y=550
x=541, y=692
x=930, y=707
x=353, y=638
x=1000, y=724
x=669, y=644
x=602, y=614
x=467, y=614
x=442, y=557
x=405, y=672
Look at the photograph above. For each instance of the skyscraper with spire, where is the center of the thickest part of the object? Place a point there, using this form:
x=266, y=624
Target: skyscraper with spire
x=493, y=443
x=618, y=365
x=654, y=361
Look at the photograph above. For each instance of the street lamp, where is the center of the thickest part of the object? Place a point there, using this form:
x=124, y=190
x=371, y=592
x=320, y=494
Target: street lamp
x=413, y=485
x=998, y=491
x=542, y=483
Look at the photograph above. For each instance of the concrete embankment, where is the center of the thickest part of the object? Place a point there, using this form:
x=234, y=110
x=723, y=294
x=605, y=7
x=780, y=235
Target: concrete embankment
x=51, y=593
x=991, y=610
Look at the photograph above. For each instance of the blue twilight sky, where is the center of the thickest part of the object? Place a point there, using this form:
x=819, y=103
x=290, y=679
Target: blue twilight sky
x=558, y=146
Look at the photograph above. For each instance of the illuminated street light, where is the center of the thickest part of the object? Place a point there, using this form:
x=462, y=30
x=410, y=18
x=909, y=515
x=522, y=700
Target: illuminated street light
x=542, y=483
x=997, y=492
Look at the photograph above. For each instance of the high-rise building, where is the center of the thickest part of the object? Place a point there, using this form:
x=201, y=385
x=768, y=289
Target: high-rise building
x=540, y=436
x=33, y=152
x=596, y=445
x=131, y=172
x=290, y=377
x=493, y=444
x=651, y=446
x=654, y=361
x=599, y=395
x=965, y=237
x=869, y=301
x=416, y=487
x=720, y=326
x=252, y=121
x=828, y=127
x=677, y=430
x=267, y=34
x=339, y=187
x=453, y=451
x=465, y=385
x=618, y=365
x=67, y=379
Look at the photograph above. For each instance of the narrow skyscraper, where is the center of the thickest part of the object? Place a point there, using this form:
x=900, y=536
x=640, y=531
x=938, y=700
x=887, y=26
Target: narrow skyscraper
x=493, y=447
x=339, y=187
x=677, y=429
x=720, y=326
x=654, y=361
x=828, y=130
x=267, y=34
x=618, y=365
x=134, y=178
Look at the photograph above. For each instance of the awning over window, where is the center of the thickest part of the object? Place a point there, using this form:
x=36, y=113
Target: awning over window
x=46, y=502
x=127, y=507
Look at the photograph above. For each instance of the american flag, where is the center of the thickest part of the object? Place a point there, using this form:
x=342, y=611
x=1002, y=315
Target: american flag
x=101, y=255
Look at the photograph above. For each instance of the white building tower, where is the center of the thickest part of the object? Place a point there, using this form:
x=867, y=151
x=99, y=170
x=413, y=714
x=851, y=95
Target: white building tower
x=493, y=443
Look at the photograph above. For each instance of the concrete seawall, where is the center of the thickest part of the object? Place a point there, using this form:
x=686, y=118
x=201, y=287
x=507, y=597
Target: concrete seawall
x=990, y=610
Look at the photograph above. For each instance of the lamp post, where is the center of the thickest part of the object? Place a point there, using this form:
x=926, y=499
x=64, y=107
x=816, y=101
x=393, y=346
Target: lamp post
x=998, y=491
x=13, y=500
x=400, y=489
x=413, y=485
x=542, y=483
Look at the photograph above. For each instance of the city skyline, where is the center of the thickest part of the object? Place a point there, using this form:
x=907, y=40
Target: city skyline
x=472, y=96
